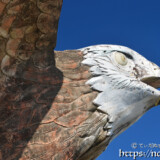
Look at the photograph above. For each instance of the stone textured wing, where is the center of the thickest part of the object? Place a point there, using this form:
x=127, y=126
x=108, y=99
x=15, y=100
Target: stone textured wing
x=48, y=113
x=46, y=109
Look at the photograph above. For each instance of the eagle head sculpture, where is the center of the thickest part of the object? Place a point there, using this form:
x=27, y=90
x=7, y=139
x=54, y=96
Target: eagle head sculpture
x=126, y=83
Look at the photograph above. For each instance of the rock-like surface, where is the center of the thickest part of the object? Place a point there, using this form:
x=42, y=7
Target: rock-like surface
x=46, y=109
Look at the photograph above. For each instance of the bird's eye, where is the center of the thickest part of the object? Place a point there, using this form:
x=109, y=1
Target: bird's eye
x=121, y=58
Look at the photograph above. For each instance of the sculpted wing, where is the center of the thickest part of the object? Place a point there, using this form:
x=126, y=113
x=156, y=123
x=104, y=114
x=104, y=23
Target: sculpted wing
x=49, y=113
x=46, y=109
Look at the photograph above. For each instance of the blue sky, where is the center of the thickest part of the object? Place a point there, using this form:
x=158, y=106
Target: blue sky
x=132, y=23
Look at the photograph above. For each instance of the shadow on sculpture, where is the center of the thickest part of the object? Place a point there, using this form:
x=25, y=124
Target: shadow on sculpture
x=25, y=99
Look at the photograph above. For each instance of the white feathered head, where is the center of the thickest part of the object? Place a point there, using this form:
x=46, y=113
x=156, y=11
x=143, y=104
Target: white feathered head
x=126, y=83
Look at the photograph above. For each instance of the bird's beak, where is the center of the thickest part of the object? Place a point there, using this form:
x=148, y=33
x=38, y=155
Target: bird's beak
x=153, y=81
x=151, y=75
x=152, y=78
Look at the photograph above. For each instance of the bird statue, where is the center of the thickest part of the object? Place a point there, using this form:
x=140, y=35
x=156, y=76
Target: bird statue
x=64, y=105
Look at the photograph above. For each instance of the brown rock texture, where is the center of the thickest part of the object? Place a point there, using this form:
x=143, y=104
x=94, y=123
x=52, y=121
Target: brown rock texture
x=28, y=26
x=46, y=109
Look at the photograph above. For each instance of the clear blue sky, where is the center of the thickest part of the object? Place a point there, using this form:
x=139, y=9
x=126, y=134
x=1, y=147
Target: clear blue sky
x=132, y=23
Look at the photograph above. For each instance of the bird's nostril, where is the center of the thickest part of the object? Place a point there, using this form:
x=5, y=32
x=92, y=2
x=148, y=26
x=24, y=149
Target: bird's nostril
x=136, y=72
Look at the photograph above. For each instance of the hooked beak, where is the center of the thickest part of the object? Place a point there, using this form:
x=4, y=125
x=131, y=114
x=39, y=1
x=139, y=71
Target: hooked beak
x=151, y=75
x=153, y=81
x=153, y=78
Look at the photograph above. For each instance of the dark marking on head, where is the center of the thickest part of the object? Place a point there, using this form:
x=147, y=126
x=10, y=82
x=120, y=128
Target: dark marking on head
x=128, y=55
x=136, y=71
